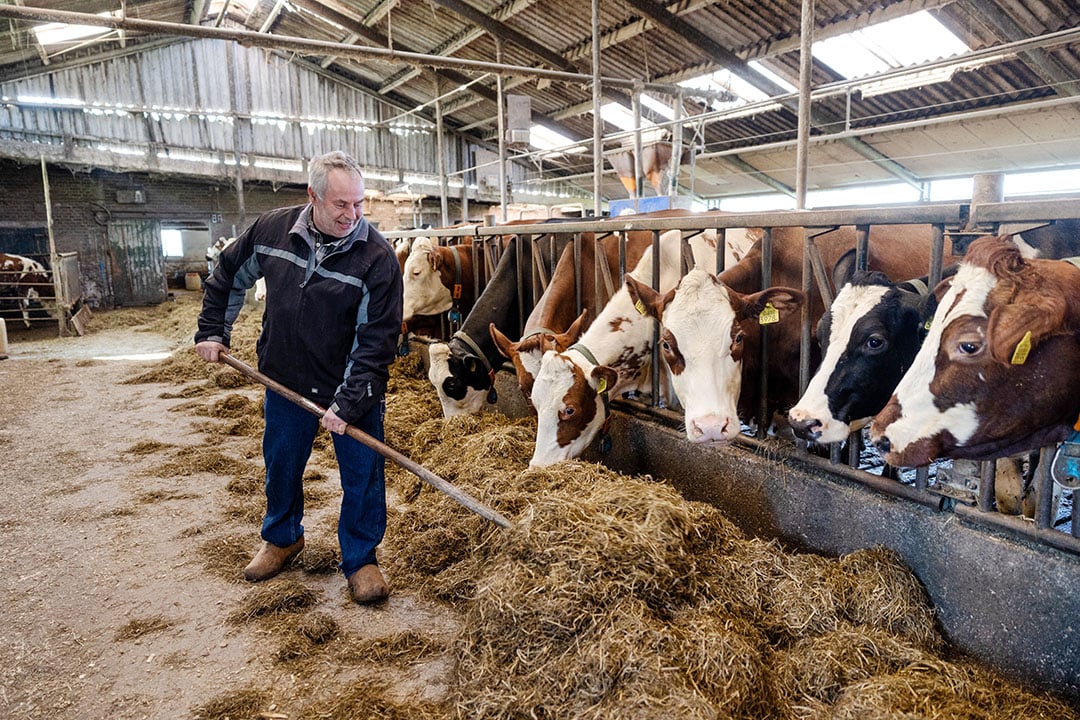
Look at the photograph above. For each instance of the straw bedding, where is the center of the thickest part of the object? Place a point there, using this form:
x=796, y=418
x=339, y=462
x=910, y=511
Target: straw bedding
x=612, y=596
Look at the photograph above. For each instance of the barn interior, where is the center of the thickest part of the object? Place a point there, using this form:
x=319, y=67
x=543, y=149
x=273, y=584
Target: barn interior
x=135, y=133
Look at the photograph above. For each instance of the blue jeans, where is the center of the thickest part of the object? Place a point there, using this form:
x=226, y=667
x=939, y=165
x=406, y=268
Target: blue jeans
x=287, y=441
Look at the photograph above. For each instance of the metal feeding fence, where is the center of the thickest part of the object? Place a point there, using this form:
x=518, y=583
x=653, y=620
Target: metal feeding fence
x=962, y=487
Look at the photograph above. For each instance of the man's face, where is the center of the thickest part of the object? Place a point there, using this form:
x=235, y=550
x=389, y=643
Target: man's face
x=338, y=213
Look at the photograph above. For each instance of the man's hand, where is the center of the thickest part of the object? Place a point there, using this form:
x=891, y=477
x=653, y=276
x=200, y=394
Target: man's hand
x=333, y=423
x=209, y=350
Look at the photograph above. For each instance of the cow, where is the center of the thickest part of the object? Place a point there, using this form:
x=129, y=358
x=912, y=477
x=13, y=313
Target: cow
x=22, y=282
x=997, y=372
x=571, y=389
x=440, y=279
x=552, y=323
x=712, y=337
x=463, y=368
x=868, y=338
x=548, y=326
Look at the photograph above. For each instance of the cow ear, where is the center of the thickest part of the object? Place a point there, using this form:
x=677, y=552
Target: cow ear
x=647, y=301
x=783, y=300
x=505, y=345
x=568, y=338
x=434, y=259
x=1009, y=326
x=603, y=378
x=843, y=270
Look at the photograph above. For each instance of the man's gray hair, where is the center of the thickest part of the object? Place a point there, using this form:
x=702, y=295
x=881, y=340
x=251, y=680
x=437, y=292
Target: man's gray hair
x=319, y=168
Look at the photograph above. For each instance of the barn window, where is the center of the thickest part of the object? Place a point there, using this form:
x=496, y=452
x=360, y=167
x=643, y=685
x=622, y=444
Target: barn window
x=172, y=243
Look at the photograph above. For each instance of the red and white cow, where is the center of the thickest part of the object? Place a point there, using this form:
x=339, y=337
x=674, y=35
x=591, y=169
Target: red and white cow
x=571, y=388
x=25, y=281
x=439, y=279
x=712, y=327
x=997, y=372
x=544, y=329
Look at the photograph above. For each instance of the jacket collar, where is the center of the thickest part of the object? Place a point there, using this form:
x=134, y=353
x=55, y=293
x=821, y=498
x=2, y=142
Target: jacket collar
x=303, y=227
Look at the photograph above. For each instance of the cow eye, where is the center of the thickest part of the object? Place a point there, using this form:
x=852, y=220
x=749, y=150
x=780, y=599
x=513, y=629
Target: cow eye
x=875, y=343
x=968, y=347
x=566, y=412
x=738, y=338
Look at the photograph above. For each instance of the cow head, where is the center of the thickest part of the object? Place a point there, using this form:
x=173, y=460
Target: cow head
x=461, y=379
x=527, y=352
x=706, y=327
x=423, y=290
x=996, y=373
x=868, y=338
x=571, y=405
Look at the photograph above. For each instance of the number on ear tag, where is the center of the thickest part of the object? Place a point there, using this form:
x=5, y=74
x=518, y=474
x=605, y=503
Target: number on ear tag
x=1023, y=347
x=640, y=307
x=602, y=387
x=769, y=315
x=457, y=291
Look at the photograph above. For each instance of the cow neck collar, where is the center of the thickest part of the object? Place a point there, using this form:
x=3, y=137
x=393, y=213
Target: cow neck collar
x=586, y=352
x=536, y=331
x=492, y=396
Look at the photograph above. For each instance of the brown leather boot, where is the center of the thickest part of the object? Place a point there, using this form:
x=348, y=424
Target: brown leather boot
x=271, y=559
x=367, y=585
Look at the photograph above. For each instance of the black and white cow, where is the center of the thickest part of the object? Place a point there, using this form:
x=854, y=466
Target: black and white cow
x=868, y=338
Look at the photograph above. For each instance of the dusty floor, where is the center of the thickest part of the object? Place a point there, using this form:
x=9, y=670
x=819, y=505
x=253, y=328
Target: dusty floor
x=109, y=608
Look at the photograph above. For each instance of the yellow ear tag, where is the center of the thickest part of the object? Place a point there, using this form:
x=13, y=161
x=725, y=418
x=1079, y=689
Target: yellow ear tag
x=640, y=307
x=769, y=315
x=602, y=387
x=1022, y=349
x=927, y=324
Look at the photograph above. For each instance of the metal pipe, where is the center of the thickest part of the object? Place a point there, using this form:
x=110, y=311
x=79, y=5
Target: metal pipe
x=985, y=501
x=501, y=100
x=598, y=122
x=250, y=38
x=440, y=145
x=675, y=164
x=1018, y=527
x=766, y=281
x=806, y=67
x=639, y=173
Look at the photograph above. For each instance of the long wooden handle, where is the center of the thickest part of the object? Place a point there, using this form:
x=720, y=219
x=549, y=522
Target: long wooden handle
x=455, y=493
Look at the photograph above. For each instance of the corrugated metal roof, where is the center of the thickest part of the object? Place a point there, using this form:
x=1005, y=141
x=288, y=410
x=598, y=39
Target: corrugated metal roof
x=557, y=33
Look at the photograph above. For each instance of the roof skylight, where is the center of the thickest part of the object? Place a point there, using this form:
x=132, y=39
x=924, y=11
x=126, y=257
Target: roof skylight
x=893, y=44
x=51, y=34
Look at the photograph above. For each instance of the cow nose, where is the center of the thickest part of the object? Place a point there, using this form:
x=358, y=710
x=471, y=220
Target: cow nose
x=808, y=429
x=883, y=445
x=710, y=428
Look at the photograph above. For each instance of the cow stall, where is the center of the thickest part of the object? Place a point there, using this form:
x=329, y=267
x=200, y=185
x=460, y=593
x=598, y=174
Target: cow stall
x=37, y=289
x=1005, y=586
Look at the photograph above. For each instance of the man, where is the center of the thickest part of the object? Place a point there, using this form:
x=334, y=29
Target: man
x=330, y=335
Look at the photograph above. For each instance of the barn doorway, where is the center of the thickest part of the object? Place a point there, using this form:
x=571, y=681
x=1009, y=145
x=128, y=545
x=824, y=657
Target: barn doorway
x=138, y=266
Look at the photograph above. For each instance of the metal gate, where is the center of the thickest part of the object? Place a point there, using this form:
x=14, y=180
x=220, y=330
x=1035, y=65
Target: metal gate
x=138, y=265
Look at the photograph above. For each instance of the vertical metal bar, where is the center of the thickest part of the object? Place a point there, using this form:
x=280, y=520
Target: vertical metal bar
x=598, y=122
x=1044, y=490
x=440, y=145
x=804, y=314
x=766, y=281
x=655, y=324
x=721, y=249
x=862, y=247
x=519, y=252
x=501, y=102
x=922, y=477
x=806, y=67
x=577, y=272
x=987, y=473
x=937, y=255
x=834, y=453
x=854, y=442
x=676, y=149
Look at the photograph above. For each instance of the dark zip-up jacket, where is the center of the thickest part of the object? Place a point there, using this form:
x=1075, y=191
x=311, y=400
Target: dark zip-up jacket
x=330, y=328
